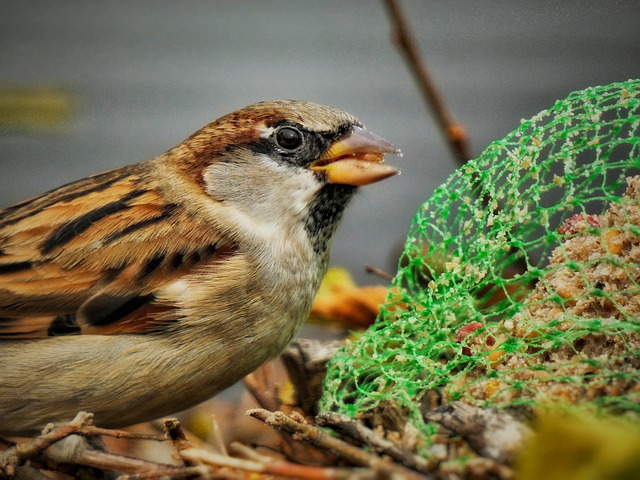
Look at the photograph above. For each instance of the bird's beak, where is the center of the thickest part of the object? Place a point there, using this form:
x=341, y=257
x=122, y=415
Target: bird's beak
x=356, y=159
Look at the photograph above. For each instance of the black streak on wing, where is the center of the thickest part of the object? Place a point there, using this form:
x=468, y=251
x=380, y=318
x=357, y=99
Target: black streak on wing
x=187, y=259
x=153, y=263
x=95, y=183
x=166, y=213
x=194, y=258
x=106, y=309
x=176, y=260
x=14, y=267
x=63, y=325
x=67, y=232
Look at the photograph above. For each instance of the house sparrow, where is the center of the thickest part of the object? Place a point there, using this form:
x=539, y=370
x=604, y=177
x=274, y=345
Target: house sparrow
x=144, y=290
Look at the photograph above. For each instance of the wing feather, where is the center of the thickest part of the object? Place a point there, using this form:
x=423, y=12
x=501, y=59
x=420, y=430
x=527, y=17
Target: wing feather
x=102, y=245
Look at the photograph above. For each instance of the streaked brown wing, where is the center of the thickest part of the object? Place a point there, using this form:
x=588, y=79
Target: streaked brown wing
x=91, y=254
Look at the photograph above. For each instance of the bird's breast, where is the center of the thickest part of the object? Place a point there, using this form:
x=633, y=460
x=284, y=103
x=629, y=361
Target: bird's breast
x=250, y=301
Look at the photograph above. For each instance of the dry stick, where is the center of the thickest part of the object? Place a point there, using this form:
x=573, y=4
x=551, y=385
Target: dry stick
x=119, y=463
x=174, y=432
x=90, y=431
x=326, y=442
x=491, y=433
x=454, y=132
x=13, y=456
x=279, y=468
x=217, y=439
x=80, y=425
x=78, y=453
x=259, y=392
x=172, y=473
x=241, y=450
x=354, y=429
x=378, y=271
x=267, y=400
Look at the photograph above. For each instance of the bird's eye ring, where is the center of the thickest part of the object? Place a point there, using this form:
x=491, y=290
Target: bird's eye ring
x=288, y=138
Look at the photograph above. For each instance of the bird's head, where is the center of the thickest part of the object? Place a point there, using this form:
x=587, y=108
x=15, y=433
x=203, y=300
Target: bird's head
x=286, y=162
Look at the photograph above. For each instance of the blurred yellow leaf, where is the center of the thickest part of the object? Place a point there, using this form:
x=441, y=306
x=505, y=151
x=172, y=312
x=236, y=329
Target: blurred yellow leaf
x=34, y=108
x=339, y=300
x=582, y=446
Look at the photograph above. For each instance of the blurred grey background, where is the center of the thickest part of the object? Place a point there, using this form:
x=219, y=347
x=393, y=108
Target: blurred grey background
x=130, y=79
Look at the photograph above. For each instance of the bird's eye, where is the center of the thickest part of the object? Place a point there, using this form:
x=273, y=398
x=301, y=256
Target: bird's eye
x=288, y=138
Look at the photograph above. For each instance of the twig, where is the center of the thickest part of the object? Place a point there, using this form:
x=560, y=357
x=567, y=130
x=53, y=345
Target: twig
x=260, y=391
x=58, y=445
x=354, y=429
x=119, y=463
x=280, y=468
x=267, y=397
x=12, y=457
x=322, y=440
x=78, y=453
x=217, y=439
x=455, y=133
x=494, y=434
x=306, y=365
x=173, y=431
x=242, y=450
x=74, y=450
x=378, y=271
x=90, y=431
x=171, y=473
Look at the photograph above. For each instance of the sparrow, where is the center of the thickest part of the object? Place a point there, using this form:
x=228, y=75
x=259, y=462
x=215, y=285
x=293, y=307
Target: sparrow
x=142, y=291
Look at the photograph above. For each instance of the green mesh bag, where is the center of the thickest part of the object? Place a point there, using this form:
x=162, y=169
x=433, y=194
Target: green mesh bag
x=519, y=283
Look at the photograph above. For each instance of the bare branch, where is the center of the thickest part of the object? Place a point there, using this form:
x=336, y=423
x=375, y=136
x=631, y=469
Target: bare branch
x=217, y=439
x=354, y=429
x=455, y=133
x=261, y=392
x=322, y=440
x=378, y=271
x=90, y=431
x=492, y=433
x=279, y=468
x=17, y=454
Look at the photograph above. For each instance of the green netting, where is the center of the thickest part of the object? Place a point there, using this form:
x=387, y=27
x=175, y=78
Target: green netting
x=520, y=277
